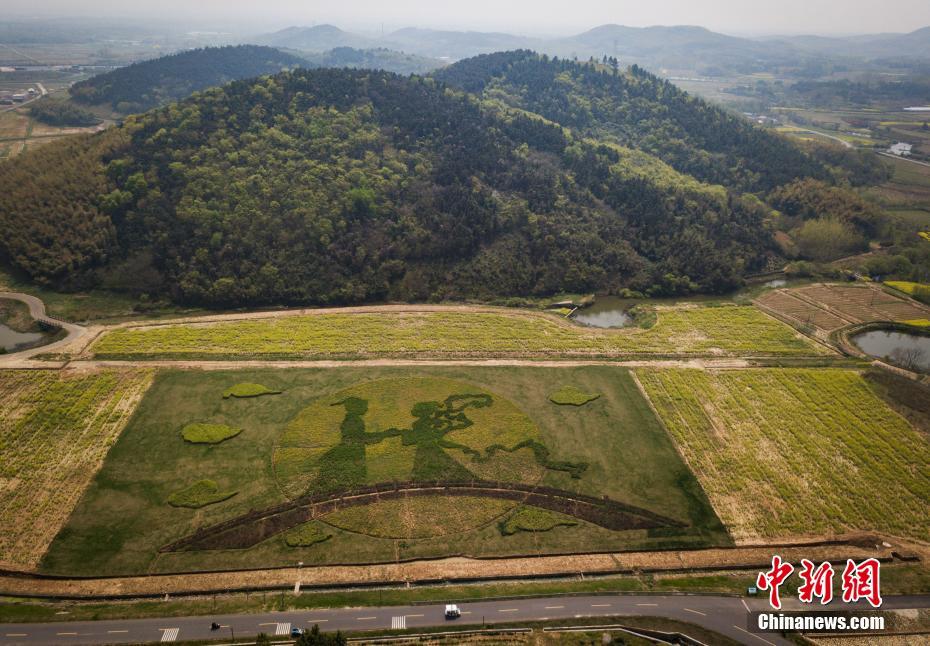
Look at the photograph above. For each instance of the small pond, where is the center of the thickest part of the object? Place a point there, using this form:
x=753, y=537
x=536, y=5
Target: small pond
x=10, y=339
x=607, y=311
x=909, y=351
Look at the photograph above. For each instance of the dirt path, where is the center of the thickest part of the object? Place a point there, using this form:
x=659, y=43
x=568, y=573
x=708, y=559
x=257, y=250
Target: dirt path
x=445, y=570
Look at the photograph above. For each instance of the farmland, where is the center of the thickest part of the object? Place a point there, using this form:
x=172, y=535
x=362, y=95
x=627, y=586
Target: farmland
x=830, y=307
x=54, y=434
x=333, y=431
x=679, y=331
x=796, y=452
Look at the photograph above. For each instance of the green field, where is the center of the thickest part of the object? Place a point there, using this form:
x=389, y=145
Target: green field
x=335, y=430
x=796, y=452
x=723, y=330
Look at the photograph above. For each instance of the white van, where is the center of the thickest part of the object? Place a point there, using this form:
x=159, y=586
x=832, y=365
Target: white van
x=452, y=611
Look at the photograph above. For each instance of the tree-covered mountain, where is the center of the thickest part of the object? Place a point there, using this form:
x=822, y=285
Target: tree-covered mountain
x=320, y=38
x=638, y=110
x=338, y=186
x=147, y=84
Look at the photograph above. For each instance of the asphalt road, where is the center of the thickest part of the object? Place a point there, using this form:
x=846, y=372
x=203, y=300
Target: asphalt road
x=725, y=615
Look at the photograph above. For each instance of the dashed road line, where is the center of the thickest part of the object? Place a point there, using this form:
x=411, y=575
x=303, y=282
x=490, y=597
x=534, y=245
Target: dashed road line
x=509, y=610
x=754, y=635
x=282, y=629
x=651, y=605
x=114, y=632
x=317, y=621
x=399, y=623
x=365, y=618
x=169, y=634
x=408, y=616
x=66, y=634
x=553, y=607
x=600, y=605
x=697, y=612
x=17, y=635
x=745, y=605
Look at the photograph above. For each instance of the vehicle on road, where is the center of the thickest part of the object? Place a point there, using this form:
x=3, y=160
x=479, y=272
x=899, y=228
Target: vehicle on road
x=452, y=611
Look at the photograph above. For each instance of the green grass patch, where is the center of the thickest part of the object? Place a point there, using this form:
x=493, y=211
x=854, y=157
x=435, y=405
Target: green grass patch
x=572, y=396
x=200, y=494
x=122, y=519
x=246, y=390
x=306, y=535
x=533, y=519
x=208, y=433
x=726, y=330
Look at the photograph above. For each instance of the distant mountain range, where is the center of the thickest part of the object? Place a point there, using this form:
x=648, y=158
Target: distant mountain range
x=675, y=47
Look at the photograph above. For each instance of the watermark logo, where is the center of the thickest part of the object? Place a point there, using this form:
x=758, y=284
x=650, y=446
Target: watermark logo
x=860, y=581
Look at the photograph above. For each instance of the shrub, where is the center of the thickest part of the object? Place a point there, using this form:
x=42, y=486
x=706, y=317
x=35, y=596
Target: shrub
x=571, y=396
x=534, y=519
x=306, y=535
x=828, y=239
x=200, y=494
x=208, y=433
x=248, y=390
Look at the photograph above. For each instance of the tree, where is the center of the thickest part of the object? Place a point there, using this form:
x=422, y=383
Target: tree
x=262, y=640
x=314, y=637
x=828, y=239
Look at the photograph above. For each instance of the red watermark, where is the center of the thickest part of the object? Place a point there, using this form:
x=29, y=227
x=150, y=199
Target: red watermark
x=859, y=581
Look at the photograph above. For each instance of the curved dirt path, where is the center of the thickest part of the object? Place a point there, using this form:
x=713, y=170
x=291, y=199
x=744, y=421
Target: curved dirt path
x=37, y=312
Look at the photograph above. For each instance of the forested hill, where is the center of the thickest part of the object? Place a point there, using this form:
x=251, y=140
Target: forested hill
x=147, y=84
x=340, y=186
x=637, y=109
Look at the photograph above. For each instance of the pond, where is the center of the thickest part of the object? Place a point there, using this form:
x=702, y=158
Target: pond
x=909, y=351
x=10, y=339
x=607, y=312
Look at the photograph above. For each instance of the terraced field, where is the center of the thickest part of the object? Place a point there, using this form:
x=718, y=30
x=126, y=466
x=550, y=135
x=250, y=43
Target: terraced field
x=796, y=452
x=723, y=331
x=54, y=434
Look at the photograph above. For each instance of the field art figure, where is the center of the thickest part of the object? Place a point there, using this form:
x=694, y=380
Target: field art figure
x=343, y=465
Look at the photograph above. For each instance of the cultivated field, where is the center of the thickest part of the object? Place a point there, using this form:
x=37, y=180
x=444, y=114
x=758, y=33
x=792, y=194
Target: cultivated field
x=533, y=474
x=724, y=331
x=830, y=307
x=796, y=452
x=54, y=434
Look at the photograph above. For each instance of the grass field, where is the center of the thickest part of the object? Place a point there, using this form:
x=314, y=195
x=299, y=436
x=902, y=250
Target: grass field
x=796, y=452
x=54, y=434
x=724, y=330
x=124, y=518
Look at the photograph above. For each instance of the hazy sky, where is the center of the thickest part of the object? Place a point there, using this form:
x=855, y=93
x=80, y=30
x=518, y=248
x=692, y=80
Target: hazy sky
x=520, y=16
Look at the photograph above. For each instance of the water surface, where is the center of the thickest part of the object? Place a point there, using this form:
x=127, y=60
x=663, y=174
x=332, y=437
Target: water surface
x=607, y=312
x=11, y=340
x=909, y=351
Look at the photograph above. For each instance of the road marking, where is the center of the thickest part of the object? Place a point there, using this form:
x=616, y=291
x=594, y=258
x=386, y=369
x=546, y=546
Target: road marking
x=745, y=605
x=600, y=605
x=283, y=629
x=509, y=610
x=553, y=607
x=170, y=634
x=647, y=604
x=17, y=635
x=113, y=632
x=269, y=623
x=414, y=616
x=364, y=618
x=317, y=621
x=64, y=634
x=697, y=612
x=399, y=623
x=466, y=612
x=754, y=635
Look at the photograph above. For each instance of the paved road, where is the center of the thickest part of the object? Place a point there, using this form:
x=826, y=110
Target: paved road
x=726, y=615
x=845, y=143
x=37, y=311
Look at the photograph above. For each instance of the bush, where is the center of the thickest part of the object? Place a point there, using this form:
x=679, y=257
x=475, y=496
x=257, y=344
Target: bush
x=248, y=390
x=306, y=535
x=534, y=519
x=208, y=433
x=571, y=396
x=200, y=494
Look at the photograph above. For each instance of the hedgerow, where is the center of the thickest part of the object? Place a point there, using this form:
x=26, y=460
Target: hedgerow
x=208, y=433
x=572, y=396
x=200, y=494
x=533, y=519
x=246, y=390
x=306, y=535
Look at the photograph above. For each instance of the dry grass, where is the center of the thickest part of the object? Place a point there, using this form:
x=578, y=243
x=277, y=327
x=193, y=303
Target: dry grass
x=54, y=434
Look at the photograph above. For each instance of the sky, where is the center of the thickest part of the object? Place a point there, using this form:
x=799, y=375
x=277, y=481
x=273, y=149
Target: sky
x=528, y=17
